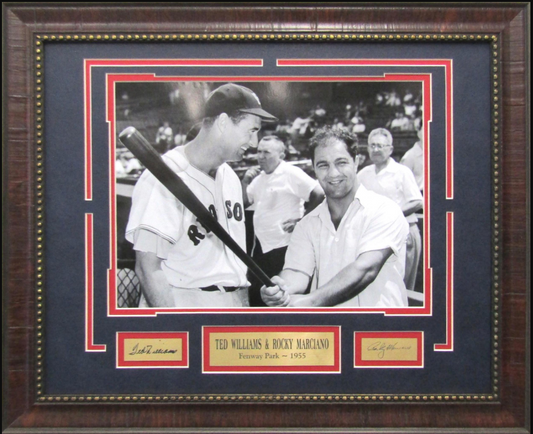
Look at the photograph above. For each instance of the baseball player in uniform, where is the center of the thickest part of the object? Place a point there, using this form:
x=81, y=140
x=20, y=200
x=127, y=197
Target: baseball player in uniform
x=352, y=245
x=278, y=191
x=179, y=262
x=397, y=182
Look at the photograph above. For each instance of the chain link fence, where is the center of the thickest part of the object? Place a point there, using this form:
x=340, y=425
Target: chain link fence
x=128, y=285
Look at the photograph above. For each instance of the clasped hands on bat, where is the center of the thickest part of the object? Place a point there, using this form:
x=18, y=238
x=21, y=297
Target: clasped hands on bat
x=280, y=295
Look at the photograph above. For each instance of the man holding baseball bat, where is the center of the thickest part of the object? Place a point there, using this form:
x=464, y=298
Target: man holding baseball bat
x=352, y=245
x=181, y=263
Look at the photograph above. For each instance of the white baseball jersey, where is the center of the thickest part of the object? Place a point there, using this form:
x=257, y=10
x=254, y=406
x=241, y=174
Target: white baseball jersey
x=192, y=256
x=278, y=196
x=372, y=222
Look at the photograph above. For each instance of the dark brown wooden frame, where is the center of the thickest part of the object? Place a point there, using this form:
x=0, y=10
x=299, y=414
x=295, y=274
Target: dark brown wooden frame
x=511, y=21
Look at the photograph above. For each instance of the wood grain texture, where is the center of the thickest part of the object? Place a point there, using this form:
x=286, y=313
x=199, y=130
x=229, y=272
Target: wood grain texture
x=21, y=21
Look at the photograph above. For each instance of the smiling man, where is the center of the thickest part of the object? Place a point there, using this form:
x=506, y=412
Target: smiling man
x=180, y=263
x=352, y=246
x=278, y=191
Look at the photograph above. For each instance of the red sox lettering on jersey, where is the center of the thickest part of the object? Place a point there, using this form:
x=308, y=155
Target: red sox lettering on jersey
x=232, y=211
x=196, y=257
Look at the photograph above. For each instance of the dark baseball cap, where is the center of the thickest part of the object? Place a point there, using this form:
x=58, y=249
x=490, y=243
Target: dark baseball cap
x=232, y=97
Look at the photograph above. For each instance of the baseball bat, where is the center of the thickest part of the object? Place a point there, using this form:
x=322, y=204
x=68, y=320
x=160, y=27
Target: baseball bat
x=147, y=155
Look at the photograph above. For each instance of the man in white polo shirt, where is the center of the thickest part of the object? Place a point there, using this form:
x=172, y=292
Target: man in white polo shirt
x=278, y=191
x=352, y=245
x=397, y=182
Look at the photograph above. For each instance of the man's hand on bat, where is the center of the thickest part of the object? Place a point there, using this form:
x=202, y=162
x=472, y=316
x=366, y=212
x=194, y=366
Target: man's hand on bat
x=275, y=295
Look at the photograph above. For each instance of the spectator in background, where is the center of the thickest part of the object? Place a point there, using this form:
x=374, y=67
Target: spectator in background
x=125, y=98
x=164, y=138
x=397, y=182
x=417, y=120
x=393, y=99
x=301, y=126
x=120, y=169
x=278, y=191
x=400, y=122
x=319, y=112
x=338, y=123
x=409, y=105
x=133, y=166
x=126, y=164
x=357, y=124
x=362, y=109
x=413, y=159
x=180, y=139
x=380, y=99
x=283, y=127
x=348, y=113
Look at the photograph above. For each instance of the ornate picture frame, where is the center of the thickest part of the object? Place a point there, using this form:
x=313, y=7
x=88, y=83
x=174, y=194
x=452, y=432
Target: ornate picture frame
x=43, y=298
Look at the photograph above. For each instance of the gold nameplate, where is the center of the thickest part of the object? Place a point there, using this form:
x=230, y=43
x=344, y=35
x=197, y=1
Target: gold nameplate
x=271, y=349
x=151, y=350
x=388, y=349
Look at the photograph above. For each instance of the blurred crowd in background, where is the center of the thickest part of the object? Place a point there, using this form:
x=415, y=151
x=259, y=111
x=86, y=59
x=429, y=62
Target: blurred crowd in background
x=168, y=115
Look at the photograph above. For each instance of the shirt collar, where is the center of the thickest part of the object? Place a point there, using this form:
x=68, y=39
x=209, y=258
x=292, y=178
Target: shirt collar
x=363, y=195
x=389, y=167
x=277, y=169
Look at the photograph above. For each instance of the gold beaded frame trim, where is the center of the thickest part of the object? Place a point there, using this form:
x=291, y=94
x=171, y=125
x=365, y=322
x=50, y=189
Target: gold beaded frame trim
x=40, y=40
x=279, y=398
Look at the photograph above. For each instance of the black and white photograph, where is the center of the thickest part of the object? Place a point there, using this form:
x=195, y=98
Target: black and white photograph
x=316, y=190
